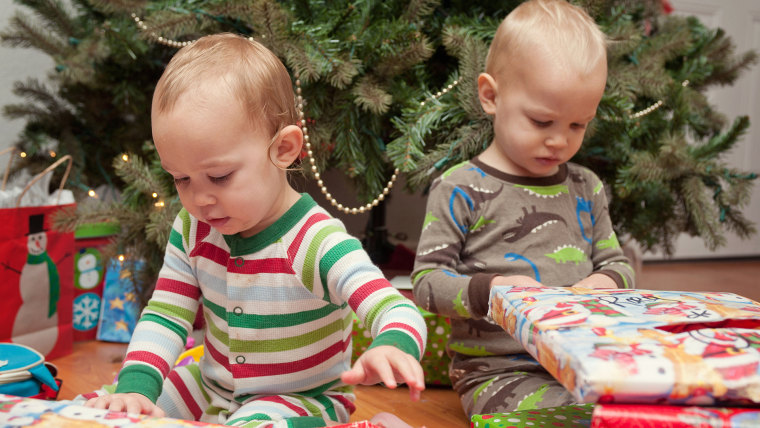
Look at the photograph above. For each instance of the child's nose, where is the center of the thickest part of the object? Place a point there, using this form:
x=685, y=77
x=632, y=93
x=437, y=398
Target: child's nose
x=202, y=198
x=557, y=141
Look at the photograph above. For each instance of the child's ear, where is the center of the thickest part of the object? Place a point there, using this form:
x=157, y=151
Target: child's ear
x=487, y=90
x=287, y=147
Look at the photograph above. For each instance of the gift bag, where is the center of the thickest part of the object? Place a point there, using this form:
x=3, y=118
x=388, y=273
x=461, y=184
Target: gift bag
x=89, y=276
x=36, y=267
x=121, y=308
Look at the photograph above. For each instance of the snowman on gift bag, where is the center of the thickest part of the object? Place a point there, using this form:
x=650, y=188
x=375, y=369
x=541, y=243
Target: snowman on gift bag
x=36, y=322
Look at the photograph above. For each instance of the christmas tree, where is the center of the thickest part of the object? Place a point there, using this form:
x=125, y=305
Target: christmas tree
x=389, y=86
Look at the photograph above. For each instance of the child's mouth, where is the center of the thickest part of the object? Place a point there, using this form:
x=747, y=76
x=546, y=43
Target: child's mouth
x=217, y=222
x=547, y=161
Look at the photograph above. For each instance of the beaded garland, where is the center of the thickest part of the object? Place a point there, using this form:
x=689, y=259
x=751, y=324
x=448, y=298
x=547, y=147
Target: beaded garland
x=300, y=100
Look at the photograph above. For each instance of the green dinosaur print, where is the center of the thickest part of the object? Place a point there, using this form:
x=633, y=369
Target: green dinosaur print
x=545, y=191
x=429, y=219
x=598, y=188
x=481, y=223
x=479, y=390
x=477, y=351
x=567, y=254
x=449, y=171
x=531, y=400
x=459, y=305
x=420, y=275
x=611, y=242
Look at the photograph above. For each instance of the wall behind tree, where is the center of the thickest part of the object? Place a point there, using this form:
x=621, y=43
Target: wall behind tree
x=17, y=64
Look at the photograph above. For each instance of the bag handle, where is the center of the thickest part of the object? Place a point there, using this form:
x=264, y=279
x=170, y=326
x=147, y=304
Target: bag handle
x=39, y=176
x=8, y=167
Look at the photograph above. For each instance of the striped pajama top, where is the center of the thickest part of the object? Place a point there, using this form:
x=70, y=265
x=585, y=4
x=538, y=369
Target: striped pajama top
x=277, y=307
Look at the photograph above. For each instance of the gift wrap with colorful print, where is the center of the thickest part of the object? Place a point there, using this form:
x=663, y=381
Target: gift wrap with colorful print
x=22, y=412
x=576, y=416
x=649, y=416
x=435, y=361
x=639, y=346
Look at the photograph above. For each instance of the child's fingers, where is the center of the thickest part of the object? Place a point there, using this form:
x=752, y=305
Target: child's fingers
x=354, y=376
x=117, y=405
x=410, y=372
x=386, y=374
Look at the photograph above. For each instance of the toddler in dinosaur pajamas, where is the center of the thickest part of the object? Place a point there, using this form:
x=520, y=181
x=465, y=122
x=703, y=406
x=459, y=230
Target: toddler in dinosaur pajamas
x=519, y=213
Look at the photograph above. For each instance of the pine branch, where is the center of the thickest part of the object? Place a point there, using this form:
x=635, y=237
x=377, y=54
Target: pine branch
x=54, y=15
x=419, y=9
x=723, y=142
x=698, y=204
x=119, y=6
x=25, y=34
x=416, y=52
x=370, y=96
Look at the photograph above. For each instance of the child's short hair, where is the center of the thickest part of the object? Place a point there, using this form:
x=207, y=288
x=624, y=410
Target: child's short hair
x=549, y=24
x=252, y=73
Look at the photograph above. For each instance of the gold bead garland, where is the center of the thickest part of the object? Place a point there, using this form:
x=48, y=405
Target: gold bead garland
x=641, y=113
x=300, y=101
x=318, y=177
x=442, y=92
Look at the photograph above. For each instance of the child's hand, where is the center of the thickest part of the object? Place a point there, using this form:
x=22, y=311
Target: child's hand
x=518, y=280
x=596, y=280
x=389, y=365
x=131, y=403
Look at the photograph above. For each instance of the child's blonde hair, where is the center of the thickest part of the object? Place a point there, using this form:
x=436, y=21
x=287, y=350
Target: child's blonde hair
x=554, y=25
x=251, y=72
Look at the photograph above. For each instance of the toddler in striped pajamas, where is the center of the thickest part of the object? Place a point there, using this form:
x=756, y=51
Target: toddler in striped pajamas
x=276, y=276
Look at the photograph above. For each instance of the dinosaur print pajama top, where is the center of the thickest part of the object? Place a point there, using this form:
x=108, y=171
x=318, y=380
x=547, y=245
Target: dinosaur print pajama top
x=480, y=223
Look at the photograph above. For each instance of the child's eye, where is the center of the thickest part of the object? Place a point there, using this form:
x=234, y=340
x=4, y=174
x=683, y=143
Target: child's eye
x=541, y=123
x=219, y=180
x=181, y=180
x=578, y=126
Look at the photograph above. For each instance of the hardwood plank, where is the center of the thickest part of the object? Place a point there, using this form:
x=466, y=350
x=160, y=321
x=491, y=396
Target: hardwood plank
x=439, y=407
x=91, y=365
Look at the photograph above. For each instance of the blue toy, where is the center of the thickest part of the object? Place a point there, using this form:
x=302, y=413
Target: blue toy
x=23, y=371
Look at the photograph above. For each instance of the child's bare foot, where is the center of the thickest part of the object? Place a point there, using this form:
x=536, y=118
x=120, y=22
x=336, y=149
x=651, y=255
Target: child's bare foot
x=389, y=420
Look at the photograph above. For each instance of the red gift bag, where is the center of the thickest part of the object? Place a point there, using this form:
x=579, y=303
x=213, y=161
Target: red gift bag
x=36, y=275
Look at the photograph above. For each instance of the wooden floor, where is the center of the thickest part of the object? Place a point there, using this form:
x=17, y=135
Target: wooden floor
x=95, y=363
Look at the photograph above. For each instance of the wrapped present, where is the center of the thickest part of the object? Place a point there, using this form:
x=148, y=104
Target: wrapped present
x=639, y=346
x=121, y=308
x=575, y=416
x=362, y=424
x=645, y=416
x=89, y=276
x=435, y=361
x=21, y=412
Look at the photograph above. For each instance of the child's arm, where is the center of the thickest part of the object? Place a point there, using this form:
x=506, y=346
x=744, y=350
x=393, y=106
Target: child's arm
x=398, y=329
x=161, y=332
x=439, y=284
x=607, y=254
x=389, y=365
x=133, y=402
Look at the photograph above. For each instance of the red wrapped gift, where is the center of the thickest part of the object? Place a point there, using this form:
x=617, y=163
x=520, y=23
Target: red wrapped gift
x=643, y=416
